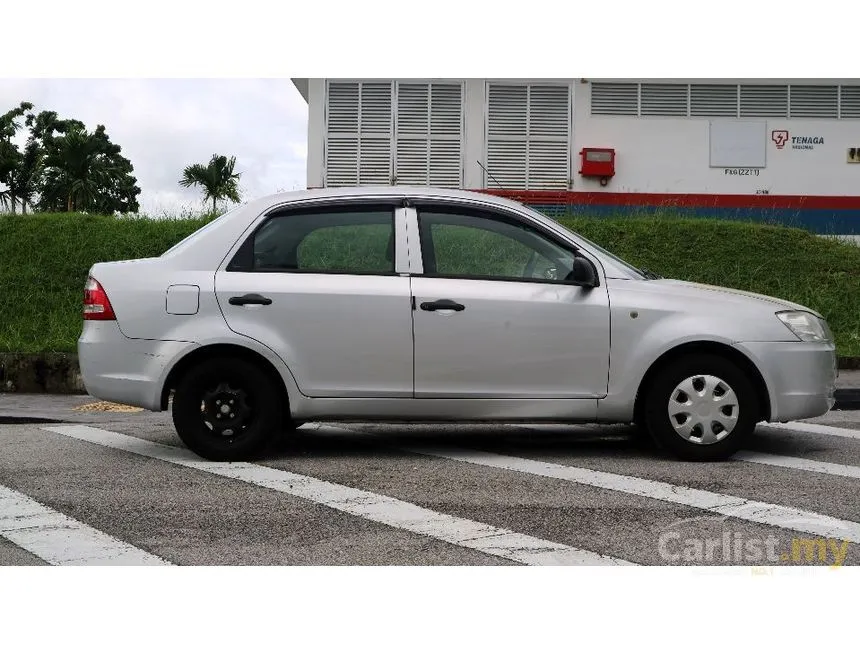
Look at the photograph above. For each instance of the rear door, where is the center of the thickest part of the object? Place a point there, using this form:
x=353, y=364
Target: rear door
x=494, y=316
x=320, y=287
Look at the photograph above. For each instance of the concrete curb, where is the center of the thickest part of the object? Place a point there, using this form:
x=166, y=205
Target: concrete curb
x=46, y=373
x=849, y=362
x=58, y=373
x=847, y=399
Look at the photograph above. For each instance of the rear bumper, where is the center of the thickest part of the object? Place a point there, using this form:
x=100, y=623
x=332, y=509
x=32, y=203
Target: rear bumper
x=800, y=377
x=123, y=370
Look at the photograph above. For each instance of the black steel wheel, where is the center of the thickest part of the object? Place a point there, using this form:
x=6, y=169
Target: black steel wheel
x=227, y=409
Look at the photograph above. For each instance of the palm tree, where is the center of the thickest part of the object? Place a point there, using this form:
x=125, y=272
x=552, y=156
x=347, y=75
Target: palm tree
x=23, y=181
x=77, y=168
x=218, y=179
x=10, y=156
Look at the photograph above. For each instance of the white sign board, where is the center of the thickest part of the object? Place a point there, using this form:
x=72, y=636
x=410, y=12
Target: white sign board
x=738, y=144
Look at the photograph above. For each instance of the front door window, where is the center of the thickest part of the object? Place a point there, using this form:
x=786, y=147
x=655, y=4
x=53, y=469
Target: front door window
x=472, y=246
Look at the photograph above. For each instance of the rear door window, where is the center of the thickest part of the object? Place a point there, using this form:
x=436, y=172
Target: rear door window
x=337, y=241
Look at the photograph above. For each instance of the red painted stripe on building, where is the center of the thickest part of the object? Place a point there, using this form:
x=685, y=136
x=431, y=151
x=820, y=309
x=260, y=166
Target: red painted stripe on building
x=682, y=200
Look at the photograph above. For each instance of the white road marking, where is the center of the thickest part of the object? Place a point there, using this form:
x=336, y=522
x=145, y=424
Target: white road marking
x=798, y=463
x=797, y=426
x=61, y=540
x=785, y=517
x=371, y=506
x=768, y=459
x=814, y=428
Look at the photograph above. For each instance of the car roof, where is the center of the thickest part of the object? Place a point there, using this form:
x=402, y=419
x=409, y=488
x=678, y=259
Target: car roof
x=381, y=191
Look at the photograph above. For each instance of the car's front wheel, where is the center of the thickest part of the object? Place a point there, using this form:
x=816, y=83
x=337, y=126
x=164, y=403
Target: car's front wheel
x=701, y=408
x=227, y=409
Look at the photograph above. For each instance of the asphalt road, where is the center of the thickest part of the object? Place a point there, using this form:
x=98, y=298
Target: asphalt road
x=118, y=487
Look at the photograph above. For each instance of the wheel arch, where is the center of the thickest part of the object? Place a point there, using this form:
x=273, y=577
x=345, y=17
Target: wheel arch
x=223, y=350
x=705, y=347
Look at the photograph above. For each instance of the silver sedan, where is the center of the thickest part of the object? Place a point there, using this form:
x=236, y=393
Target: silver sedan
x=436, y=305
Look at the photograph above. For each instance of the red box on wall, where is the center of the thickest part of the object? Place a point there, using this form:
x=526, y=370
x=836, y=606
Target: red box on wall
x=598, y=162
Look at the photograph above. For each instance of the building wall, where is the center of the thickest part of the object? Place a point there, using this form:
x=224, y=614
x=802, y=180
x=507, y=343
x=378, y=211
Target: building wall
x=316, y=132
x=665, y=160
x=671, y=155
x=475, y=141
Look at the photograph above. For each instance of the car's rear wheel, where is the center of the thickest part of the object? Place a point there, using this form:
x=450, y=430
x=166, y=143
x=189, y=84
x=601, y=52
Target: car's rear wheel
x=701, y=408
x=227, y=409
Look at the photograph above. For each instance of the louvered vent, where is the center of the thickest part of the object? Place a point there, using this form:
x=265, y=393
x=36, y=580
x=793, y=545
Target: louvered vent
x=445, y=163
x=412, y=110
x=374, y=165
x=549, y=111
x=528, y=137
x=375, y=108
x=508, y=106
x=728, y=100
x=358, y=134
x=413, y=123
x=764, y=100
x=548, y=150
x=849, y=102
x=343, y=108
x=412, y=162
x=429, y=134
x=663, y=99
x=341, y=162
x=548, y=165
x=615, y=99
x=506, y=163
x=713, y=100
x=814, y=101
x=446, y=135
x=446, y=110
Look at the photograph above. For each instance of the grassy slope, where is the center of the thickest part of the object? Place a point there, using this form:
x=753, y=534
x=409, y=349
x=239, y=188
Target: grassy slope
x=44, y=261
x=787, y=263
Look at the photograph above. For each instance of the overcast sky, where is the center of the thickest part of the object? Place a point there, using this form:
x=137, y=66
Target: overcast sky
x=164, y=125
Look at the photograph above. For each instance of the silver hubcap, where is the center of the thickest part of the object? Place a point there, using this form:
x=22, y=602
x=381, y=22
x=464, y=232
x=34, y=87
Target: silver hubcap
x=703, y=409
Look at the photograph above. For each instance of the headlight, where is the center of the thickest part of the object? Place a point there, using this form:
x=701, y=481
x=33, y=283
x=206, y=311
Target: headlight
x=806, y=326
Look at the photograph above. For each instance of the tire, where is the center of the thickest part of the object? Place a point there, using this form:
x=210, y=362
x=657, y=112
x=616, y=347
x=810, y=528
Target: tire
x=718, y=424
x=224, y=386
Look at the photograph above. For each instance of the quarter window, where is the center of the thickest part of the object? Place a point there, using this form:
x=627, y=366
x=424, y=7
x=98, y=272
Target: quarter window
x=474, y=246
x=327, y=242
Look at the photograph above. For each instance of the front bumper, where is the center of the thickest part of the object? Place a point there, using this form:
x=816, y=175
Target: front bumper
x=800, y=377
x=123, y=370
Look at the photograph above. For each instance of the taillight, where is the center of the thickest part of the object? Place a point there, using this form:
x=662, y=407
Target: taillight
x=96, y=303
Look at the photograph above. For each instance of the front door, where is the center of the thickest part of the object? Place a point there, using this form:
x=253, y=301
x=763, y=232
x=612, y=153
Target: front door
x=493, y=316
x=335, y=309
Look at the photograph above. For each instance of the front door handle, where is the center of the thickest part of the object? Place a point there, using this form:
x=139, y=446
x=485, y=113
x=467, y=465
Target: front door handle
x=442, y=305
x=250, y=299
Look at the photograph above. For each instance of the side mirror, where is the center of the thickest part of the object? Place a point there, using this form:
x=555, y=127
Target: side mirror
x=584, y=274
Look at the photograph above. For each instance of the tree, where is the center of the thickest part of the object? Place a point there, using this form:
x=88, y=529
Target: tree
x=83, y=170
x=10, y=157
x=217, y=179
x=24, y=179
x=63, y=166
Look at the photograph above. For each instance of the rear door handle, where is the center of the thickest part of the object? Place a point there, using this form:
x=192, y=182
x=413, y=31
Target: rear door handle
x=250, y=299
x=442, y=305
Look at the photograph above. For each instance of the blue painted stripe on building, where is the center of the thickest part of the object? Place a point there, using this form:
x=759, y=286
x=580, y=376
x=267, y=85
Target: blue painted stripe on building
x=821, y=222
